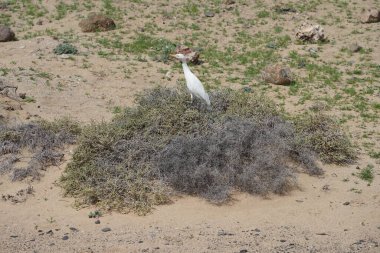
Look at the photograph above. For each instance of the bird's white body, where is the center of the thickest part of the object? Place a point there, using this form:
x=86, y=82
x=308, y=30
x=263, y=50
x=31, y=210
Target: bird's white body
x=193, y=84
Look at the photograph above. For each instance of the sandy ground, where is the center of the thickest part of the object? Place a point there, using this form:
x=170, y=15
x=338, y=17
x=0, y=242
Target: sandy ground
x=337, y=212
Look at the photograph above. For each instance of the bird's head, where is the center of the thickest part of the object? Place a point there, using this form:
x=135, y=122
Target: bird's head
x=181, y=57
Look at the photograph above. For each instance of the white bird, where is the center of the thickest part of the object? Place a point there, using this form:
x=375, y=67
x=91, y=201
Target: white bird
x=193, y=84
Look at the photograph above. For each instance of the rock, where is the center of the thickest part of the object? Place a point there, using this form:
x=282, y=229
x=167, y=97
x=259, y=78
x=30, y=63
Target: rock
x=370, y=16
x=6, y=34
x=282, y=240
x=65, y=237
x=106, y=229
x=39, y=22
x=354, y=47
x=50, y=232
x=73, y=229
x=22, y=95
x=346, y=203
x=310, y=33
x=243, y=251
x=277, y=74
x=223, y=233
x=229, y=2
x=326, y=187
x=191, y=54
x=209, y=14
x=97, y=222
x=97, y=22
x=169, y=75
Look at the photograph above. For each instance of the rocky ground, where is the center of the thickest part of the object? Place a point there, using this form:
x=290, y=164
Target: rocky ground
x=250, y=45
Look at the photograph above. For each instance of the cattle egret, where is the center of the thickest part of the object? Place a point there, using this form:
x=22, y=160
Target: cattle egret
x=193, y=84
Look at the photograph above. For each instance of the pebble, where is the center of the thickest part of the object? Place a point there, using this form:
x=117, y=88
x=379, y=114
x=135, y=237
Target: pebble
x=74, y=229
x=209, y=14
x=222, y=232
x=65, y=238
x=243, y=251
x=106, y=229
x=97, y=222
x=64, y=56
x=346, y=203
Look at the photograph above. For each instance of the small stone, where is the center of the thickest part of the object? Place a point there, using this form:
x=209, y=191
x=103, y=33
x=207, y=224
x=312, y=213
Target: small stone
x=229, y=2
x=97, y=222
x=106, y=229
x=323, y=233
x=140, y=241
x=6, y=34
x=64, y=56
x=326, y=187
x=73, y=229
x=39, y=22
x=282, y=240
x=209, y=14
x=65, y=238
x=370, y=16
x=169, y=75
x=14, y=236
x=22, y=95
x=257, y=230
x=354, y=48
x=222, y=233
x=50, y=232
x=277, y=74
x=243, y=251
x=346, y=203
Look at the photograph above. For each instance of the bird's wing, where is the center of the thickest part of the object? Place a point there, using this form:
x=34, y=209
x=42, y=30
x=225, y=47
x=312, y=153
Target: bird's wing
x=196, y=87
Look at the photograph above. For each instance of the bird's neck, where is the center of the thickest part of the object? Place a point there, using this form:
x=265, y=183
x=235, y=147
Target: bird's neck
x=185, y=67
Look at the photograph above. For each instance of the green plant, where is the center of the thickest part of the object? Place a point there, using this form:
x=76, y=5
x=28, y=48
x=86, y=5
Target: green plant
x=367, y=174
x=65, y=48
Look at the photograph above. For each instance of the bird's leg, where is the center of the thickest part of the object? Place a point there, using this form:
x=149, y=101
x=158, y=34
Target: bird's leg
x=191, y=97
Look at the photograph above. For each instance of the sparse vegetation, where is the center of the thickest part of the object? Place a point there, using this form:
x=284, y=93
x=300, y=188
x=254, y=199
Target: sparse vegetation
x=65, y=48
x=42, y=140
x=367, y=174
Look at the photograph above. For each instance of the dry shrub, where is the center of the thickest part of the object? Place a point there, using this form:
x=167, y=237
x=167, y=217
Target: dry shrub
x=42, y=139
x=165, y=142
x=320, y=133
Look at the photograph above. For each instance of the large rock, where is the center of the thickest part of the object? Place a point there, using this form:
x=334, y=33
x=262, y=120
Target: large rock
x=6, y=34
x=191, y=54
x=311, y=33
x=370, y=16
x=277, y=74
x=97, y=22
